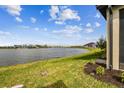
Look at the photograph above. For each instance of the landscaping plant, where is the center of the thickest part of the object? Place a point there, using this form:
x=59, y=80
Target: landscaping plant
x=122, y=77
x=100, y=70
x=101, y=43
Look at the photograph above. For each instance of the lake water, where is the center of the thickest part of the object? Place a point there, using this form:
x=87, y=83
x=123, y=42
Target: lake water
x=20, y=56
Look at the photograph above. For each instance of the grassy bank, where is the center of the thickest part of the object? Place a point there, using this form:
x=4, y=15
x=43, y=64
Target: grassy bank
x=60, y=72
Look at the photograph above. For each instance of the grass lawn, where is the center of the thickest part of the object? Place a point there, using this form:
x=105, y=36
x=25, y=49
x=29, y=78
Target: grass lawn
x=59, y=72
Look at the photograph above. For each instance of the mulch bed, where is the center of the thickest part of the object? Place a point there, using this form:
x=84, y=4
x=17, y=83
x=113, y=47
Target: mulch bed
x=110, y=76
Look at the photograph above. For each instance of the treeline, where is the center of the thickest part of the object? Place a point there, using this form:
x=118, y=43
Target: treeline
x=30, y=46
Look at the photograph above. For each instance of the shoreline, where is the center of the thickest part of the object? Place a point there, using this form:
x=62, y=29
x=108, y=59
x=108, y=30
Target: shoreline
x=53, y=73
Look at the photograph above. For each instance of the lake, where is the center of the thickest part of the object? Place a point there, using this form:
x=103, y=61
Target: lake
x=20, y=56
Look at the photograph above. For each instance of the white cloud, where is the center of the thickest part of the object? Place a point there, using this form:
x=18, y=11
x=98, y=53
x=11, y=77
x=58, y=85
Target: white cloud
x=54, y=11
x=13, y=10
x=97, y=24
x=45, y=29
x=89, y=30
x=61, y=15
x=18, y=19
x=33, y=20
x=69, y=14
x=41, y=11
x=97, y=15
x=72, y=29
x=40, y=29
x=28, y=28
x=88, y=25
x=24, y=27
x=3, y=33
x=59, y=22
x=69, y=31
x=36, y=29
x=90, y=39
x=64, y=6
x=80, y=24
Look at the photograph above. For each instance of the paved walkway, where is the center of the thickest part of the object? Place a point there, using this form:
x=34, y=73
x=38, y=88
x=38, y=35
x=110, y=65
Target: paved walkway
x=101, y=61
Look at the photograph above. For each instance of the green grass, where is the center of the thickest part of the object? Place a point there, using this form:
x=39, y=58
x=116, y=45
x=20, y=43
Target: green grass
x=59, y=72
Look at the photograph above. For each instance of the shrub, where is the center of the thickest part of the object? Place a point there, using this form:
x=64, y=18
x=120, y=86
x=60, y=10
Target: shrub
x=122, y=77
x=100, y=70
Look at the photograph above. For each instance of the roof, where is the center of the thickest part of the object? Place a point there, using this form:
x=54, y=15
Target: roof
x=102, y=9
x=91, y=43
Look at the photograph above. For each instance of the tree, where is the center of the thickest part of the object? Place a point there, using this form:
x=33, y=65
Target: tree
x=101, y=43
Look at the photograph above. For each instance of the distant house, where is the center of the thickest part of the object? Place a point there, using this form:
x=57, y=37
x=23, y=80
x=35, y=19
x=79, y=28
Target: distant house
x=114, y=15
x=90, y=45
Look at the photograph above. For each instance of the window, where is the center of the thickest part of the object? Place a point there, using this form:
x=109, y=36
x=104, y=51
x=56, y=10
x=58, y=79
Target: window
x=121, y=41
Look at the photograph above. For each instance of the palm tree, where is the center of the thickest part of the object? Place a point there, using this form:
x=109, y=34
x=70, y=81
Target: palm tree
x=101, y=43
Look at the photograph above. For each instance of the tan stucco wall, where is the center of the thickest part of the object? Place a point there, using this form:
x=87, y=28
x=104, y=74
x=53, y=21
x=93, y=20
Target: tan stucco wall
x=115, y=55
x=115, y=39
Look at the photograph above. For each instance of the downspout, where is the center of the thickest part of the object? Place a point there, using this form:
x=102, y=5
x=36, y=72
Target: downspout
x=110, y=9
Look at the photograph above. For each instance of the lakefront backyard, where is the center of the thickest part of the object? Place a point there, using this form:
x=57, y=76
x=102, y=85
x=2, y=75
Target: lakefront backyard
x=66, y=72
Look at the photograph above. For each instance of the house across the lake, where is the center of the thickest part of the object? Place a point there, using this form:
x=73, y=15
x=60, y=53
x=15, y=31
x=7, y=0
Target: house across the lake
x=115, y=34
x=90, y=45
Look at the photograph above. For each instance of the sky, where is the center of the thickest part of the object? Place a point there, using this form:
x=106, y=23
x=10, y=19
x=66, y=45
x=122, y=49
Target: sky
x=51, y=25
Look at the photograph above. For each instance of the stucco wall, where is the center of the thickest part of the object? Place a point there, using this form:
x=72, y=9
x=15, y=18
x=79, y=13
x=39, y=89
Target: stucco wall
x=115, y=39
x=117, y=54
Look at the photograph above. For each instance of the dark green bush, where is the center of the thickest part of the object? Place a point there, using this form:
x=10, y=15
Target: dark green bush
x=122, y=77
x=100, y=70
